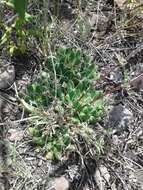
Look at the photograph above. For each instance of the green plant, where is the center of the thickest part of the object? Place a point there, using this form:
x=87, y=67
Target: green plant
x=14, y=34
x=20, y=7
x=65, y=98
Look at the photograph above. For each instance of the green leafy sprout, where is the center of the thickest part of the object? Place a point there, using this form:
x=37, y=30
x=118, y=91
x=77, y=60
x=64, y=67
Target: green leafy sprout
x=66, y=102
x=14, y=34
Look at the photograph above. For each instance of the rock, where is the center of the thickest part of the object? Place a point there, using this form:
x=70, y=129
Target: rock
x=15, y=134
x=137, y=82
x=60, y=183
x=116, y=76
x=86, y=187
x=102, y=176
x=139, y=177
x=120, y=3
x=7, y=76
x=115, y=140
x=119, y=118
x=99, y=21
